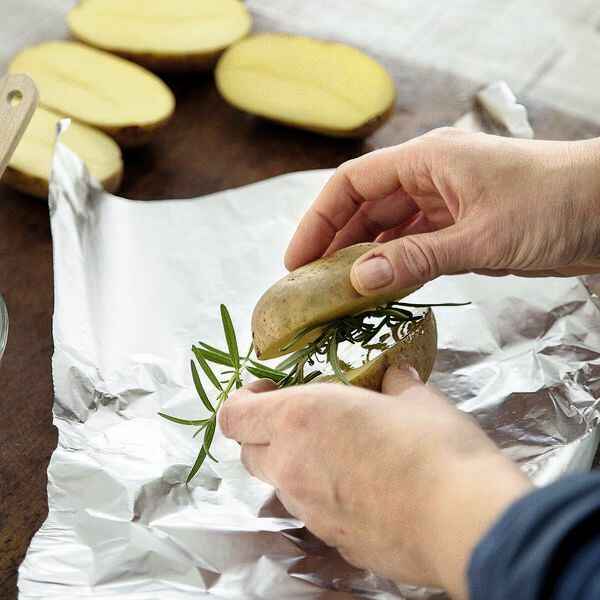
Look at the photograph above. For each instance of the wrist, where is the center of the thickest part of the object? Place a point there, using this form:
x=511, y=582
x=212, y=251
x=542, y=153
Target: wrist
x=472, y=494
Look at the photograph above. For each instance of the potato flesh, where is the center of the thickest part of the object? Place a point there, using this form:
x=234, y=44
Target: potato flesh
x=313, y=294
x=95, y=87
x=33, y=156
x=305, y=82
x=174, y=27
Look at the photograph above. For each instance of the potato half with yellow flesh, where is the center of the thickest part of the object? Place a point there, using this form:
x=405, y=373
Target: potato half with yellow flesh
x=29, y=168
x=418, y=348
x=165, y=35
x=98, y=89
x=321, y=86
x=316, y=293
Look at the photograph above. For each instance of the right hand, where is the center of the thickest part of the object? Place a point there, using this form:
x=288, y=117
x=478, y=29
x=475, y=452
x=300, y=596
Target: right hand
x=451, y=202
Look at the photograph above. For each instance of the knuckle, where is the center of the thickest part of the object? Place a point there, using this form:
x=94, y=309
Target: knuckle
x=371, y=225
x=420, y=261
x=346, y=166
x=345, y=175
x=296, y=416
x=225, y=420
x=444, y=132
x=343, y=171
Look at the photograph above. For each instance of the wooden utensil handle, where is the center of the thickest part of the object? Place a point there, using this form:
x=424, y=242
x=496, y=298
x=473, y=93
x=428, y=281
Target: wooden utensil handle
x=18, y=100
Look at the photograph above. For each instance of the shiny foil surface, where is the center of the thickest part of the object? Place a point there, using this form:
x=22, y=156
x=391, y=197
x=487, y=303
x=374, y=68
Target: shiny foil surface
x=136, y=283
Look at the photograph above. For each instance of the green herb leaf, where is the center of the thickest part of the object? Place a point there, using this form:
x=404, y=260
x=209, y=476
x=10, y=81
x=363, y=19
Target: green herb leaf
x=311, y=376
x=208, y=371
x=204, y=451
x=294, y=359
x=264, y=367
x=334, y=362
x=196, y=467
x=202, y=427
x=208, y=438
x=183, y=421
x=213, y=355
x=200, y=388
x=265, y=371
x=415, y=305
x=260, y=374
x=230, y=337
x=249, y=352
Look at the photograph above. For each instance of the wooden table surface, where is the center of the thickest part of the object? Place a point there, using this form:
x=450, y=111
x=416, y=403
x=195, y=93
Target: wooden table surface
x=208, y=147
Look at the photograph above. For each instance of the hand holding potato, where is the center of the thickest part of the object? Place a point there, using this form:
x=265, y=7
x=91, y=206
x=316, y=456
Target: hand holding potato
x=392, y=480
x=450, y=201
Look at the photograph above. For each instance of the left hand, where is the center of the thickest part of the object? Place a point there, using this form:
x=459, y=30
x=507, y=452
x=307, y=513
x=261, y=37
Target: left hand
x=401, y=482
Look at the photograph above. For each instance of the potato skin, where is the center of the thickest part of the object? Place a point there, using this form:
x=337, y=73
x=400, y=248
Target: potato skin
x=313, y=294
x=38, y=187
x=171, y=63
x=134, y=136
x=418, y=348
x=26, y=184
x=359, y=133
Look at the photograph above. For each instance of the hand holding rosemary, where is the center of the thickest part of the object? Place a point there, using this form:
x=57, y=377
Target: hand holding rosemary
x=373, y=329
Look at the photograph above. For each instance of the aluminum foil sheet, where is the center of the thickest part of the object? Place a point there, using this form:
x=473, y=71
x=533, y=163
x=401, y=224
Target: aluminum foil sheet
x=136, y=283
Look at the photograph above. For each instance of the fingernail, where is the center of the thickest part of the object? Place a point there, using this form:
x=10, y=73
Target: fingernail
x=408, y=369
x=374, y=273
x=413, y=373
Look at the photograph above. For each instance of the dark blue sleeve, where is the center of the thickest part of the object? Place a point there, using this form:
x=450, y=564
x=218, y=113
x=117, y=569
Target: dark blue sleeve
x=546, y=546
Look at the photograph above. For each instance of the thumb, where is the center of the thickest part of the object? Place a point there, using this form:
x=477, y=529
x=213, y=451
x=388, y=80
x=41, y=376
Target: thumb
x=399, y=379
x=413, y=260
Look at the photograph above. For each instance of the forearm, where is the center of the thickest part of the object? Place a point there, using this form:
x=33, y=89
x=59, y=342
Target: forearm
x=467, y=502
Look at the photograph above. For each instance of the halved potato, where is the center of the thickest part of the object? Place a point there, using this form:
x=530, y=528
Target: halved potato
x=99, y=89
x=29, y=168
x=321, y=86
x=313, y=294
x=418, y=348
x=166, y=35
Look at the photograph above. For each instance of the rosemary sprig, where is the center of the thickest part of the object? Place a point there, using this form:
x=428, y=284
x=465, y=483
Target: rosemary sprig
x=371, y=329
x=205, y=354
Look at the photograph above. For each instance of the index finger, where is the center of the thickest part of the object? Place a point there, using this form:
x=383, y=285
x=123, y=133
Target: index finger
x=248, y=417
x=370, y=177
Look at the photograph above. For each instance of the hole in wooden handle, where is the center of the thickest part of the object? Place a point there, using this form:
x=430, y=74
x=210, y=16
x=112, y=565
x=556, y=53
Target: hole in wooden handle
x=14, y=97
x=18, y=99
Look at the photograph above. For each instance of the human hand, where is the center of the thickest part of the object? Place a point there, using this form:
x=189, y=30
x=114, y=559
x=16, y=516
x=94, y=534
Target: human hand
x=401, y=482
x=451, y=201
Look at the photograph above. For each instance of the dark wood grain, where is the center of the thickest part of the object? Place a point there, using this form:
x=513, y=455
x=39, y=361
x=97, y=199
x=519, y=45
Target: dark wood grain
x=208, y=147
